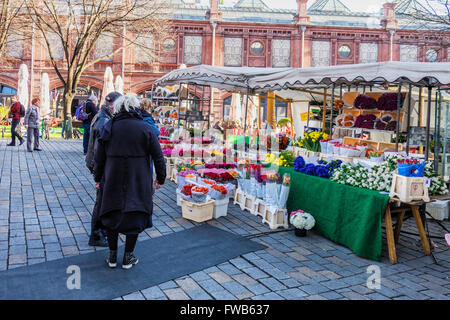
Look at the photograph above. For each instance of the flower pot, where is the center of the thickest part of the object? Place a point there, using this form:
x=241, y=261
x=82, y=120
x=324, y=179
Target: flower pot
x=300, y=232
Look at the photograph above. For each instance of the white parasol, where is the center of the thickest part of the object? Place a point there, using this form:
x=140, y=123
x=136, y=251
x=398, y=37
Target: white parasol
x=22, y=86
x=108, y=84
x=45, y=95
x=119, y=84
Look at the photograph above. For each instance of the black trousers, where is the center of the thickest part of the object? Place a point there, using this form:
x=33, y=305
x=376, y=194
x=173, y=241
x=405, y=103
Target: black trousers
x=14, y=133
x=96, y=224
x=113, y=238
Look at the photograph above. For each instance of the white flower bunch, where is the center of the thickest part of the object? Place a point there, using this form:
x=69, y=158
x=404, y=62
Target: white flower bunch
x=302, y=220
x=379, y=177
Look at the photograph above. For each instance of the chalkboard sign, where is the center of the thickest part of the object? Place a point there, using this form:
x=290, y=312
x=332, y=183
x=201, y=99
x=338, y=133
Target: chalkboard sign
x=417, y=136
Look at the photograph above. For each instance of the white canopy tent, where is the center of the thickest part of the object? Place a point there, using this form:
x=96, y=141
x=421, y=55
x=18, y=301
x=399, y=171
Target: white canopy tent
x=259, y=80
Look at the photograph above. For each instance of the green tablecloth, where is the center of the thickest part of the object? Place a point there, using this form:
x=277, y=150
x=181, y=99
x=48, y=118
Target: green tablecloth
x=344, y=214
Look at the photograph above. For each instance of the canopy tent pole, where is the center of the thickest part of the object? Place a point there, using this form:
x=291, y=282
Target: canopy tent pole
x=436, y=130
x=259, y=113
x=179, y=103
x=427, y=139
x=292, y=125
x=397, y=129
x=408, y=124
x=324, y=112
x=340, y=92
x=332, y=105
x=420, y=111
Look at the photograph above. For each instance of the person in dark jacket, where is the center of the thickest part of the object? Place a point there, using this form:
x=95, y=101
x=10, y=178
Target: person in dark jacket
x=97, y=237
x=91, y=110
x=125, y=147
x=14, y=113
x=146, y=112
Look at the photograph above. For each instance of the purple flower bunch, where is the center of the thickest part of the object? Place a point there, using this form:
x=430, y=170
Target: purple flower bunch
x=366, y=121
x=322, y=170
x=299, y=163
x=365, y=102
x=388, y=101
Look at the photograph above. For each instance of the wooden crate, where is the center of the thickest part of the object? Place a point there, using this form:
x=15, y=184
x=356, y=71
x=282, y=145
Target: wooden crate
x=198, y=212
x=408, y=189
x=259, y=209
x=239, y=198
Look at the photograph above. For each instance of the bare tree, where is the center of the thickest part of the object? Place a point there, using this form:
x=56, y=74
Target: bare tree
x=11, y=22
x=70, y=30
x=433, y=15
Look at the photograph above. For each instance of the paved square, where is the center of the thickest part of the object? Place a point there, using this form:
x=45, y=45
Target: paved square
x=46, y=199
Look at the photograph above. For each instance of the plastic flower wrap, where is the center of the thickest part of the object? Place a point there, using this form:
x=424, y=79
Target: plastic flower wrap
x=302, y=220
x=284, y=193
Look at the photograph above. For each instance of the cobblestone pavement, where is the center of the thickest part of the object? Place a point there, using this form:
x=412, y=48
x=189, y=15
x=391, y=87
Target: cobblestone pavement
x=45, y=203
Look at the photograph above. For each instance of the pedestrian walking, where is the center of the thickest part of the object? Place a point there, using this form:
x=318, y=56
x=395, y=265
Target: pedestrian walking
x=98, y=235
x=15, y=112
x=91, y=111
x=32, y=123
x=126, y=146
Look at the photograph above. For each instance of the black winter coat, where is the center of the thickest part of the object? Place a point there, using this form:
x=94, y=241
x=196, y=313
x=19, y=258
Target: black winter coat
x=98, y=122
x=126, y=146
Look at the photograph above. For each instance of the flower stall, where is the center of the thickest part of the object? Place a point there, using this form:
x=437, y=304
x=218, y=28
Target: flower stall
x=344, y=173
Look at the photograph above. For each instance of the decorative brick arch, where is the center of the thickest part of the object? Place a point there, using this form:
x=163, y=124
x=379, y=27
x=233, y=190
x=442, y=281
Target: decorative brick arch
x=8, y=81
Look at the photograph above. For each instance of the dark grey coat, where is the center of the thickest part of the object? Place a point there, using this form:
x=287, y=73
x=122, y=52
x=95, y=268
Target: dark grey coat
x=98, y=122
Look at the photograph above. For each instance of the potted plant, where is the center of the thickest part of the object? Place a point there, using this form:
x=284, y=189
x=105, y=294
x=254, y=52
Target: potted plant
x=302, y=221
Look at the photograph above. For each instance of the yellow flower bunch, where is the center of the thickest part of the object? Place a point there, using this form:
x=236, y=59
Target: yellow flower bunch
x=270, y=158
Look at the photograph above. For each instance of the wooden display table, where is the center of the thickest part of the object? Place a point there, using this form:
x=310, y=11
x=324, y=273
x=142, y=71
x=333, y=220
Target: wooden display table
x=392, y=235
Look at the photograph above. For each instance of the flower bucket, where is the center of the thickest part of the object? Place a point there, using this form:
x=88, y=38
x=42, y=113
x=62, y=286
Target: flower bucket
x=411, y=170
x=300, y=232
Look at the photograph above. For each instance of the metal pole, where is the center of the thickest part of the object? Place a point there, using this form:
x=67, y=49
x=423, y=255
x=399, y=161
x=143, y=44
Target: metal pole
x=408, y=124
x=340, y=92
x=332, y=105
x=419, y=112
x=397, y=130
x=444, y=153
x=324, y=110
x=245, y=116
x=427, y=139
x=436, y=130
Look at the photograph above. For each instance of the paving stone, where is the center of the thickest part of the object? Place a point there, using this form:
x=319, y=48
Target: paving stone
x=258, y=289
x=187, y=284
x=134, y=296
x=176, y=294
x=152, y=293
x=199, y=295
x=255, y=273
x=220, y=277
x=244, y=279
x=222, y=295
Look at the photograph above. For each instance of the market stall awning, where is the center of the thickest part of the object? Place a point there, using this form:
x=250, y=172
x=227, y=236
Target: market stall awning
x=239, y=79
x=234, y=79
x=416, y=73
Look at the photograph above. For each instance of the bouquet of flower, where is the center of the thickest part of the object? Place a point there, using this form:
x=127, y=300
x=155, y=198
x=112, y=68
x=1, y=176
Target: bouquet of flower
x=218, y=192
x=366, y=121
x=199, y=194
x=283, y=141
x=365, y=102
x=311, y=141
x=284, y=194
x=388, y=101
x=187, y=189
x=302, y=220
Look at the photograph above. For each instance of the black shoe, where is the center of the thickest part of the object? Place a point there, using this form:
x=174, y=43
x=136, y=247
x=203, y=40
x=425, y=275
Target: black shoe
x=97, y=240
x=21, y=142
x=112, y=260
x=11, y=144
x=129, y=260
x=37, y=149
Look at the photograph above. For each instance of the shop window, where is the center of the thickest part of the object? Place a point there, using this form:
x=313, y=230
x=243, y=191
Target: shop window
x=281, y=53
x=193, y=49
x=233, y=52
x=368, y=52
x=320, y=53
x=408, y=53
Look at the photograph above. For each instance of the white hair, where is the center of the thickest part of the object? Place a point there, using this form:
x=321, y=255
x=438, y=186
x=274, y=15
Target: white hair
x=127, y=102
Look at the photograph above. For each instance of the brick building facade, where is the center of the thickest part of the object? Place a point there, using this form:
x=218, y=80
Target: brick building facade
x=249, y=33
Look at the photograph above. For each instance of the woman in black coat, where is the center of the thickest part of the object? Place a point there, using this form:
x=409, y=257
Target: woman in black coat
x=126, y=146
